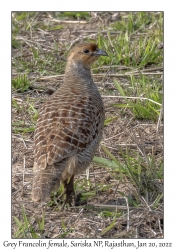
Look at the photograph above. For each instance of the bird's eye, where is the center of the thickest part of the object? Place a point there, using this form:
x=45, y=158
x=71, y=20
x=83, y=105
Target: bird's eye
x=86, y=51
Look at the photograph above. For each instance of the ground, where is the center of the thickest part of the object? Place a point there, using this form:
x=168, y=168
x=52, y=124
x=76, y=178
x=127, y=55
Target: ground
x=121, y=196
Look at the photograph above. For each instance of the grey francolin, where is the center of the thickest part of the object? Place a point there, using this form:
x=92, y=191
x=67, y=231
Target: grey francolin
x=69, y=127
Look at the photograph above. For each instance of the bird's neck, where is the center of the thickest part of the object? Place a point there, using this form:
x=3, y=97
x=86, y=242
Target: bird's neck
x=77, y=74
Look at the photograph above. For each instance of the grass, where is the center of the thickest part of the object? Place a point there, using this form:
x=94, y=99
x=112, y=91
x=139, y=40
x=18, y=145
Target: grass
x=143, y=172
x=26, y=230
x=136, y=50
x=148, y=105
x=134, y=71
x=23, y=126
x=20, y=83
x=136, y=44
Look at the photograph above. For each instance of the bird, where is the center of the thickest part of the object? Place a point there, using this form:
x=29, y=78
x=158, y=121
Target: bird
x=69, y=127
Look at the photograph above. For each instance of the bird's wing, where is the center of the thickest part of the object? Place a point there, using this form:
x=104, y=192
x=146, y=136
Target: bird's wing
x=64, y=129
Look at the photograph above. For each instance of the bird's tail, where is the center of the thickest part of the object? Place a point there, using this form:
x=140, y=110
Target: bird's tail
x=45, y=181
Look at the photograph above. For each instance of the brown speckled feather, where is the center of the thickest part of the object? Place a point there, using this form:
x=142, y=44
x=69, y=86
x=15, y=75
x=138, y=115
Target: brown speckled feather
x=65, y=131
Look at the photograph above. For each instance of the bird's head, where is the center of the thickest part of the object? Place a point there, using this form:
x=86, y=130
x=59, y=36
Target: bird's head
x=85, y=54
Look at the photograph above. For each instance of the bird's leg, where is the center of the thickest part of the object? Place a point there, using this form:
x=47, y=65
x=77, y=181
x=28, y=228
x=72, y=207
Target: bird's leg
x=68, y=191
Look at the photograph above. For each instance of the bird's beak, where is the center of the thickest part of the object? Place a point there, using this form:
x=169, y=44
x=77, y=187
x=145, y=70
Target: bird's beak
x=100, y=52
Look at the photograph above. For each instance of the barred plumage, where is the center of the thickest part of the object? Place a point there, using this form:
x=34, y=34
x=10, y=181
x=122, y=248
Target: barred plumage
x=69, y=127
